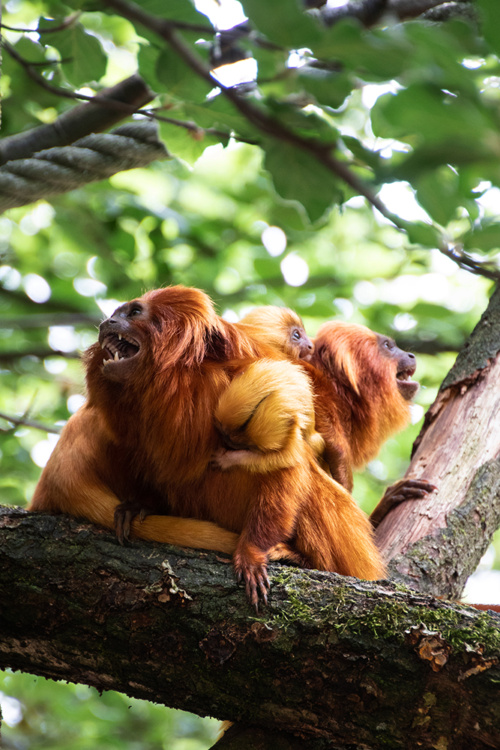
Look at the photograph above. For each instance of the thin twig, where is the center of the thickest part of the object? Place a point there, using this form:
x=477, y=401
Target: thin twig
x=455, y=253
x=22, y=422
x=65, y=24
x=35, y=76
x=40, y=353
x=192, y=127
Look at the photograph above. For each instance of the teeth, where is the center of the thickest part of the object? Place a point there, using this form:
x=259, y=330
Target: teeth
x=119, y=337
x=116, y=357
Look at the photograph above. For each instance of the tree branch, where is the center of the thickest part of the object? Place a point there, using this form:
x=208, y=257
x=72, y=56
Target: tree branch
x=23, y=422
x=331, y=658
x=100, y=113
x=370, y=12
x=432, y=543
x=7, y=357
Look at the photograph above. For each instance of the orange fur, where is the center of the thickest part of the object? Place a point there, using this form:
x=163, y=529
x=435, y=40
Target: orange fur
x=264, y=416
x=280, y=328
x=360, y=401
x=145, y=438
x=267, y=410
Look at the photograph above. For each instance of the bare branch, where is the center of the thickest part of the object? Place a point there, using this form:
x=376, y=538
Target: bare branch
x=45, y=320
x=370, y=12
x=65, y=24
x=23, y=422
x=39, y=352
x=101, y=112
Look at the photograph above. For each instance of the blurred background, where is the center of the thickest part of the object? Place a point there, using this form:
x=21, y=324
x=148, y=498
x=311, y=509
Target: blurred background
x=411, y=108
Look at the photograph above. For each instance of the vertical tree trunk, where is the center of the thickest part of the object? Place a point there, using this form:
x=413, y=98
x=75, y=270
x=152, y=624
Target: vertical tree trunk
x=434, y=544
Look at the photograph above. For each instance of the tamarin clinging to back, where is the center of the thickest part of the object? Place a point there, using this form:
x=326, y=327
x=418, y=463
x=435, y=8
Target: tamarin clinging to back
x=280, y=328
x=257, y=425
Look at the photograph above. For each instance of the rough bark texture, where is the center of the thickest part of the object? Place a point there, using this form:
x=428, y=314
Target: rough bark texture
x=333, y=659
x=92, y=117
x=433, y=544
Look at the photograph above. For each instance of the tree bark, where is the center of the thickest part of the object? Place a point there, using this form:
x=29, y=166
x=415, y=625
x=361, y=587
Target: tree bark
x=331, y=659
x=434, y=543
x=110, y=106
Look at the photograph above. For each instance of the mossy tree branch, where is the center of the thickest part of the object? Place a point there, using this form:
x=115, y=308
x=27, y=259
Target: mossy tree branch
x=330, y=659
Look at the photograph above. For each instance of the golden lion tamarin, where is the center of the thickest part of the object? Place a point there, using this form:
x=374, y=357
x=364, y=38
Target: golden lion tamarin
x=144, y=441
x=260, y=429
x=280, y=328
x=362, y=391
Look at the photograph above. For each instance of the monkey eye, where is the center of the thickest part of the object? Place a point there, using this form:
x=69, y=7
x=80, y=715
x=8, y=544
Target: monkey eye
x=388, y=344
x=296, y=334
x=135, y=311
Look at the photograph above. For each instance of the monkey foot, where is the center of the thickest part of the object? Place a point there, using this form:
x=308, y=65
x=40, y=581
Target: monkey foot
x=124, y=515
x=250, y=566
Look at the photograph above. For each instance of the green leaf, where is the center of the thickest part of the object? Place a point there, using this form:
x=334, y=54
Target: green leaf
x=373, y=55
x=490, y=25
x=271, y=63
x=30, y=51
x=329, y=89
x=284, y=22
x=438, y=193
x=186, y=144
x=83, y=58
x=175, y=10
x=218, y=112
x=420, y=233
x=370, y=158
x=298, y=176
x=424, y=111
x=483, y=238
x=178, y=78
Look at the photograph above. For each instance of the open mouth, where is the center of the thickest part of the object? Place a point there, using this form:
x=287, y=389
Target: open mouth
x=407, y=387
x=117, y=348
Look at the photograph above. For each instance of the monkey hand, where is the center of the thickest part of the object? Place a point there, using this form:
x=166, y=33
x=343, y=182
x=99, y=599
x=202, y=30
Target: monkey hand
x=403, y=489
x=250, y=565
x=224, y=458
x=125, y=513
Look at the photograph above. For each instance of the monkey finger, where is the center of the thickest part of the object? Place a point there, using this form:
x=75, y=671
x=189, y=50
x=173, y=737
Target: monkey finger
x=421, y=484
x=122, y=525
x=403, y=489
x=411, y=493
x=251, y=592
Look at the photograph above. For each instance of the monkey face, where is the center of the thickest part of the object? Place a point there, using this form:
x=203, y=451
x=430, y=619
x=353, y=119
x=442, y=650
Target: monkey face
x=120, y=338
x=301, y=344
x=405, y=364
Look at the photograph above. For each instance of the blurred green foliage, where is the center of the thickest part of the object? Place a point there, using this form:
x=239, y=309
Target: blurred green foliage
x=410, y=109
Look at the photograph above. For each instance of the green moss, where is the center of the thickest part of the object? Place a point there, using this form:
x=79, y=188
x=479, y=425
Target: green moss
x=388, y=620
